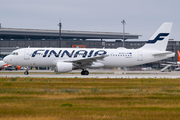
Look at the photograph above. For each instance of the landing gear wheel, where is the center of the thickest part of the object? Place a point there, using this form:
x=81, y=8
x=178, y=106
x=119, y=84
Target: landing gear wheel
x=26, y=72
x=82, y=73
x=85, y=72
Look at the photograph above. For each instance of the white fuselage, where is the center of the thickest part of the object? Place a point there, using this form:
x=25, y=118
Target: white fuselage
x=48, y=57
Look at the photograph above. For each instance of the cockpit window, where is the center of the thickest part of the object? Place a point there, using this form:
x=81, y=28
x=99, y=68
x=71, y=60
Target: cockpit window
x=14, y=53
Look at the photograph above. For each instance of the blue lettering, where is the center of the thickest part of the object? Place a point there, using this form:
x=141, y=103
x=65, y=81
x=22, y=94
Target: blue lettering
x=90, y=53
x=100, y=52
x=55, y=54
x=67, y=53
x=35, y=53
x=81, y=52
x=45, y=53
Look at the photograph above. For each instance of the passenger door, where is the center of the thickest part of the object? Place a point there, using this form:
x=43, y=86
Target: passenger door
x=26, y=54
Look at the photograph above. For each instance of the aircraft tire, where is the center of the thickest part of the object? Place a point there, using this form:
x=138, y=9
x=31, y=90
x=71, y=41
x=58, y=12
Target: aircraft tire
x=85, y=72
x=82, y=73
x=26, y=72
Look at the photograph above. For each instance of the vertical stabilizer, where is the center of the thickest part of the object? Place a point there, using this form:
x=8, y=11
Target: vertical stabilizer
x=178, y=53
x=160, y=38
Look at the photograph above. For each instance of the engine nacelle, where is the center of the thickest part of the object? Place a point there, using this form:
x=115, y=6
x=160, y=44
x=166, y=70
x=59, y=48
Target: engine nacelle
x=63, y=67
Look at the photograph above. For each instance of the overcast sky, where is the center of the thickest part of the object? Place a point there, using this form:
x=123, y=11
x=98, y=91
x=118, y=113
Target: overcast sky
x=143, y=17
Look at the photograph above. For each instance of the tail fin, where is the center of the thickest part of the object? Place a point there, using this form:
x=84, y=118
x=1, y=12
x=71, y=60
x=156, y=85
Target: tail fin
x=178, y=53
x=160, y=38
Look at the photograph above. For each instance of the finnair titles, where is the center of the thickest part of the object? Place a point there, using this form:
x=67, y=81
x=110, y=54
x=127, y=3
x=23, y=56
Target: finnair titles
x=72, y=54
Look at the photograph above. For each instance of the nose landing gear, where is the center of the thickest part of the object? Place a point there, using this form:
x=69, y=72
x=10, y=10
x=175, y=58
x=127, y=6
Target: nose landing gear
x=26, y=72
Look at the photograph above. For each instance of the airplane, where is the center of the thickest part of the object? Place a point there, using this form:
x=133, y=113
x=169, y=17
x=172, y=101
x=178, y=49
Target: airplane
x=6, y=66
x=170, y=64
x=2, y=63
x=68, y=59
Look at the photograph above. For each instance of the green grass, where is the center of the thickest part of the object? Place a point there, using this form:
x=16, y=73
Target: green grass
x=89, y=98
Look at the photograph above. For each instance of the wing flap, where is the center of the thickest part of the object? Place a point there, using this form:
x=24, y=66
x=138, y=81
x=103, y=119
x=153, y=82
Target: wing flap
x=87, y=60
x=82, y=62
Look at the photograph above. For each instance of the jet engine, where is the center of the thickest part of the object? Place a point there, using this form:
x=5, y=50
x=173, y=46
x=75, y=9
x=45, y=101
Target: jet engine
x=63, y=67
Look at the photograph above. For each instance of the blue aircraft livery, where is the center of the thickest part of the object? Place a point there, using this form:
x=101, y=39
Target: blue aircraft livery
x=160, y=36
x=73, y=53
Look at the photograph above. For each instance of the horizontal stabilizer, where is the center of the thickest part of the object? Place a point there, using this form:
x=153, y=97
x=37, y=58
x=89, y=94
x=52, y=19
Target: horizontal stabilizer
x=163, y=53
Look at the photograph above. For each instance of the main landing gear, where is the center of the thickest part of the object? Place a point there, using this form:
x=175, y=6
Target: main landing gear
x=85, y=72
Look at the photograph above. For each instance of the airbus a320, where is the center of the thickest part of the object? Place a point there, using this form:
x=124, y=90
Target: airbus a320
x=68, y=59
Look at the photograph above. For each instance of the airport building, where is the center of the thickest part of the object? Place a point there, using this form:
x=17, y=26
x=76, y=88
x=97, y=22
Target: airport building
x=11, y=39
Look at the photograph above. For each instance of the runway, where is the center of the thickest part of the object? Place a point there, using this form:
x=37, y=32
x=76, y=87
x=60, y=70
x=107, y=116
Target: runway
x=93, y=74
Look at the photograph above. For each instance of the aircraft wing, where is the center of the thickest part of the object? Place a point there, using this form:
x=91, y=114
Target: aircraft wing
x=86, y=61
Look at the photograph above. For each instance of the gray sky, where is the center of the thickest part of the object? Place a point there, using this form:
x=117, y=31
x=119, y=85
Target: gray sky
x=142, y=17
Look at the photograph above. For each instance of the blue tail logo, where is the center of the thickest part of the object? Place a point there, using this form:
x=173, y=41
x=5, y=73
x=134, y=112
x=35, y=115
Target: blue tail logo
x=160, y=36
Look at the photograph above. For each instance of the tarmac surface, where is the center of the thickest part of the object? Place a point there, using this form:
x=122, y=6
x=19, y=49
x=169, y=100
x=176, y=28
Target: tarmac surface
x=96, y=73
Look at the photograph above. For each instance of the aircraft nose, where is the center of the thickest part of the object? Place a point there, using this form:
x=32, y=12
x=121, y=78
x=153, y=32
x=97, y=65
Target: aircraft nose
x=6, y=59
